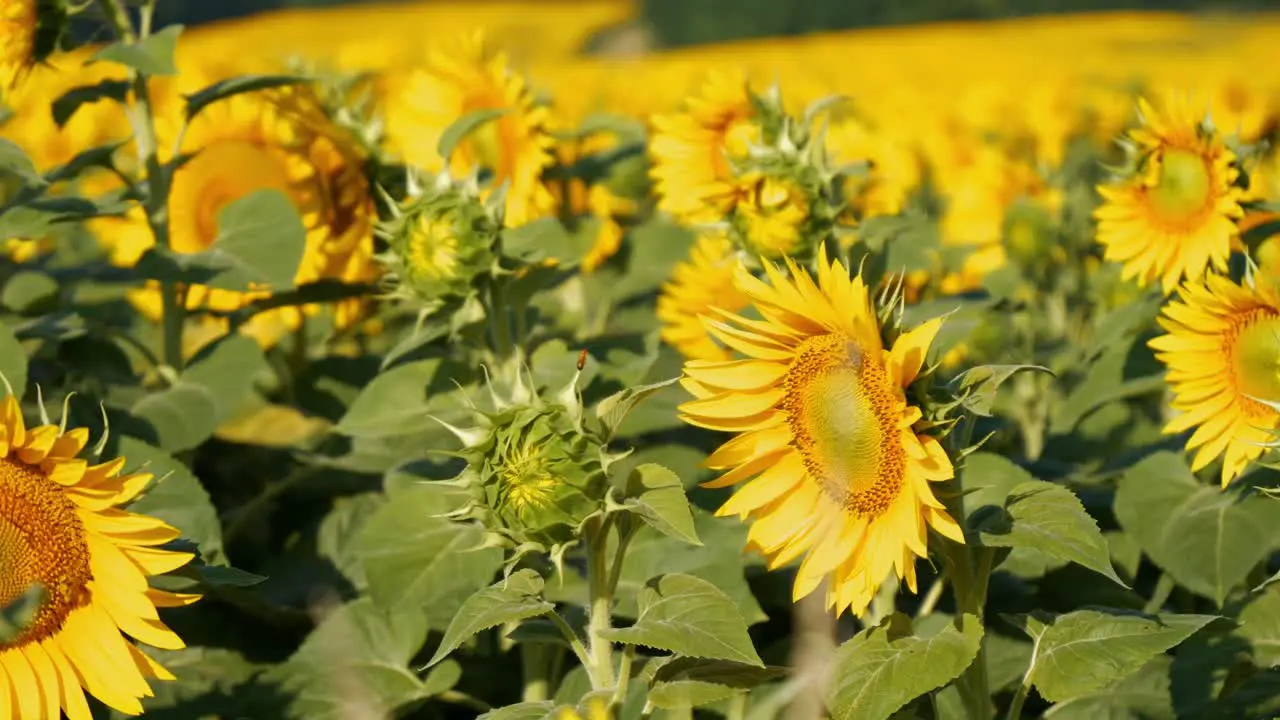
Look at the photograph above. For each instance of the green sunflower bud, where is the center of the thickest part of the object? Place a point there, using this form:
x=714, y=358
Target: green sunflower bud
x=535, y=471
x=440, y=241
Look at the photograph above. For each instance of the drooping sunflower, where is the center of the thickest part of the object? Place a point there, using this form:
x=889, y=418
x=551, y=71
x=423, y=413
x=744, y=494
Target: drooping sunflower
x=61, y=527
x=704, y=281
x=462, y=76
x=1176, y=217
x=1222, y=349
x=827, y=455
x=692, y=149
x=283, y=140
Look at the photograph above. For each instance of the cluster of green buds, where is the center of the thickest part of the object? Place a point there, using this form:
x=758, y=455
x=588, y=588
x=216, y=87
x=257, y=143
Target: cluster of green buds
x=440, y=239
x=538, y=466
x=789, y=197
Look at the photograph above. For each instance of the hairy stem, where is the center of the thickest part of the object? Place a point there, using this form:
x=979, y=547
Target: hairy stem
x=599, y=581
x=575, y=643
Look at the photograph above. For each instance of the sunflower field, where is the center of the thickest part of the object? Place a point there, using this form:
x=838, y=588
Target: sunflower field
x=404, y=361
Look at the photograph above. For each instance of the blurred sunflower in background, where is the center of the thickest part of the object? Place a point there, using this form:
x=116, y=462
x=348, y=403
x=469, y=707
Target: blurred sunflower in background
x=19, y=21
x=1221, y=347
x=1176, y=216
x=280, y=139
x=697, y=285
x=462, y=76
x=693, y=149
x=577, y=196
x=827, y=455
x=62, y=530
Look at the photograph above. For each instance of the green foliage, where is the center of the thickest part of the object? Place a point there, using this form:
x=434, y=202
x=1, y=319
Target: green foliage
x=689, y=616
x=885, y=667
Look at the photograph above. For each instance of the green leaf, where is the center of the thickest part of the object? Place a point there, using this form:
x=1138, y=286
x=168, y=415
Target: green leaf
x=227, y=368
x=415, y=560
x=339, y=533
x=176, y=496
x=183, y=416
x=987, y=478
x=464, y=126
x=15, y=162
x=682, y=682
x=612, y=410
x=550, y=239
x=979, y=384
x=226, y=576
x=210, y=682
x=1050, y=519
x=1144, y=695
x=657, y=496
x=13, y=363
x=19, y=613
x=885, y=667
x=359, y=657
x=1260, y=626
x=223, y=89
x=1110, y=378
x=260, y=243
x=39, y=217
x=395, y=403
x=521, y=711
x=150, y=56
x=70, y=101
x=687, y=615
x=1207, y=539
x=28, y=291
x=719, y=560
x=1085, y=651
x=518, y=597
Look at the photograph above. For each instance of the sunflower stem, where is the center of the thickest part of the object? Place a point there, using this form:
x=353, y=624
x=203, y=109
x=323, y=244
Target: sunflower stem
x=158, y=180
x=600, y=575
x=1164, y=586
x=533, y=666
x=575, y=643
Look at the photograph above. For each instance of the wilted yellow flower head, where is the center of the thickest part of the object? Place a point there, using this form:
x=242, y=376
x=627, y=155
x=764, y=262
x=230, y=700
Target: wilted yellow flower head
x=62, y=530
x=1175, y=218
x=460, y=77
x=703, y=282
x=1221, y=347
x=693, y=149
x=277, y=139
x=827, y=452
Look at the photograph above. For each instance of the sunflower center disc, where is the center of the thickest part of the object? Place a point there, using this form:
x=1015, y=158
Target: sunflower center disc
x=41, y=541
x=840, y=411
x=221, y=173
x=433, y=250
x=1256, y=357
x=1184, y=185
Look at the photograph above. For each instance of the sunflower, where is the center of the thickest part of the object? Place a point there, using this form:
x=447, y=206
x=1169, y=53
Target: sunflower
x=1222, y=349
x=703, y=282
x=463, y=77
x=61, y=528
x=18, y=23
x=597, y=709
x=771, y=215
x=279, y=140
x=1176, y=217
x=692, y=150
x=824, y=428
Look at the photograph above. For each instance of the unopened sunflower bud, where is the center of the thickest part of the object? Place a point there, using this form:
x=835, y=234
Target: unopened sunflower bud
x=439, y=243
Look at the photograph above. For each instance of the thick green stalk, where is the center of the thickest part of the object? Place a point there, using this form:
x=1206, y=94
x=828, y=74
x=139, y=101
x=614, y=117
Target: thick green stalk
x=158, y=178
x=599, y=582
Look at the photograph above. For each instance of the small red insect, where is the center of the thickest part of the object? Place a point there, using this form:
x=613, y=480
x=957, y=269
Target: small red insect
x=582, y=359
